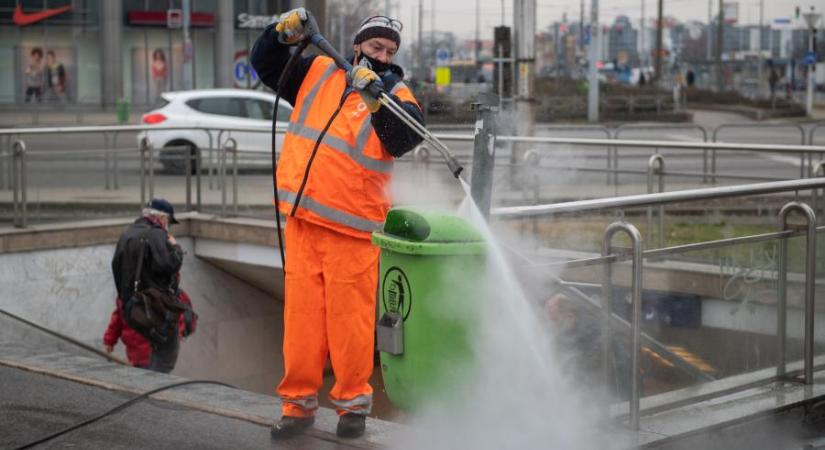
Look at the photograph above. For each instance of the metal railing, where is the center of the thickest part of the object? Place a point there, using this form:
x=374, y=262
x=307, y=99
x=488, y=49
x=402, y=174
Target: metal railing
x=611, y=255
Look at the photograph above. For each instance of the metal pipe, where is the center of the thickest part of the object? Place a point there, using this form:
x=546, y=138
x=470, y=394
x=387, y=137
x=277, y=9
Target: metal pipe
x=484, y=152
x=19, y=183
x=636, y=321
x=810, y=286
x=187, y=168
x=150, y=149
x=661, y=198
x=656, y=165
x=198, y=164
x=116, y=158
x=106, y=164
x=144, y=145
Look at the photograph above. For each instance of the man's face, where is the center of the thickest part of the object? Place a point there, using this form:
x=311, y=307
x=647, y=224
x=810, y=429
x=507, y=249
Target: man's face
x=379, y=48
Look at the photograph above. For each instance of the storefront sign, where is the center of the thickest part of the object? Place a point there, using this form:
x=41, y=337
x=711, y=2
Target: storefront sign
x=22, y=19
x=243, y=74
x=160, y=19
x=250, y=21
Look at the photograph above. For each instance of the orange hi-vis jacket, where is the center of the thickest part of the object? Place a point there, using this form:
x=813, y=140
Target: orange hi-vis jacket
x=347, y=188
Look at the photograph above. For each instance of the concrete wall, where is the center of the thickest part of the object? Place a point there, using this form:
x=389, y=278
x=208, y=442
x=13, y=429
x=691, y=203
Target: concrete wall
x=71, y=291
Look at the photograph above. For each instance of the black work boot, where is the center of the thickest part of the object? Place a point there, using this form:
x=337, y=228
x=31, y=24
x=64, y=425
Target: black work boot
x=290, y=426
x=351, y=425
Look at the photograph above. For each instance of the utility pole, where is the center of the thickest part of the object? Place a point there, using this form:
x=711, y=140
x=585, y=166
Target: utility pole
x=478, y=25
x=761, y=62
x=708, y=30
x=186, y=7
x=658, y=58
x=524, y=28
x=643, y=50
x=811, y=19
x=720, y=46
x=581, y=26
x=420, y=58
x=593, y=88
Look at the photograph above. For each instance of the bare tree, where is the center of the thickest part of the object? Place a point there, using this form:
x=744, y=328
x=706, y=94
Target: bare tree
x=345, y=16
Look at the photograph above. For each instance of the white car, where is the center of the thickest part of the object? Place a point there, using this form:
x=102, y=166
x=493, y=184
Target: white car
x=216, y=109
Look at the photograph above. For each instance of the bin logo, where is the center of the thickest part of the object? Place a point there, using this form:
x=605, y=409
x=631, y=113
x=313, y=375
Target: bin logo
x=396, y=294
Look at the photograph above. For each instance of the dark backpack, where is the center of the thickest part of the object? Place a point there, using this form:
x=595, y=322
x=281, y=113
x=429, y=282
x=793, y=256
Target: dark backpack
x=152, y=312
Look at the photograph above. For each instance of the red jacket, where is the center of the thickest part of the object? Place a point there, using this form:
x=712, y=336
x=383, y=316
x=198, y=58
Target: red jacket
x=138, y=348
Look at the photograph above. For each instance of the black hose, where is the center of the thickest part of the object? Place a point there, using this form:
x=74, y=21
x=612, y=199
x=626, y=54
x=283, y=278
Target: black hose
x=290, y=64
x=117, y=408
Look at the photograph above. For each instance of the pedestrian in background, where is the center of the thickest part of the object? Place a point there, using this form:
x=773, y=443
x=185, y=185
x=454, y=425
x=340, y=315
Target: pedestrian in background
x=147, y=247
x=138, y=348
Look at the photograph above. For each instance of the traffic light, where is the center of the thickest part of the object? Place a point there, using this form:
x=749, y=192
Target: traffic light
x=797, y=13
x=502, y=42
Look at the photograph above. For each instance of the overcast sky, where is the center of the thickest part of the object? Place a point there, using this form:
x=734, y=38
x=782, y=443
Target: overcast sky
x=459, y=15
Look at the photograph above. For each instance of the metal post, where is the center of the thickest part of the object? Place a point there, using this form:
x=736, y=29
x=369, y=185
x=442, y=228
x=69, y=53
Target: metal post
x=4, y=148
x=19, y=183
x=593, y=76
x=106, y=158
x=636, y=321
x=116, y=156
x=230, y=145
x=656, y=166
x=235, y=180
x=144, y=145
x=484, y=151
x=198, y=166
x=810, y=274
x=817, y=171
x=150, y=149
x=187, y=168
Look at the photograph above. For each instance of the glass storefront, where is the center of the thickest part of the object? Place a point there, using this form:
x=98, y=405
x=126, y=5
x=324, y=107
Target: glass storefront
x=50, y=50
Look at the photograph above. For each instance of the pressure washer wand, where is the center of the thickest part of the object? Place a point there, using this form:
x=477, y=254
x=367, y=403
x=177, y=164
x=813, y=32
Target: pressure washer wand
x=324, y=45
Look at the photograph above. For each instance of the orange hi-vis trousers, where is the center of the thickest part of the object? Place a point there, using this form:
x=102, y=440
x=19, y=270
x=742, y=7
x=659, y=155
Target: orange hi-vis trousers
x=330, y=287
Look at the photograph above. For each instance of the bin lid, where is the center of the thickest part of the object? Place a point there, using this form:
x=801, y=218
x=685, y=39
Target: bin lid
x=418, y=232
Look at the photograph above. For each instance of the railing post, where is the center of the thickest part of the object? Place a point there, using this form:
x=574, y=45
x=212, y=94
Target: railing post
x=198, y=168
x=19, y=183
x=484, y=152
x=106, y=162
x=233, y=145
x=187, y=168
x=3, y=164
x=817, y=171
x=636, y=320
x=144, y=147
x=656, y=166
x=150, y=149
x=810, y=274
x=235, y=180
x=116, y=157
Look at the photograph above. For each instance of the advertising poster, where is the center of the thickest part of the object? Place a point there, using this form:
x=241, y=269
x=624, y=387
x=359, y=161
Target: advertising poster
x=46, y=74
x=154, y=72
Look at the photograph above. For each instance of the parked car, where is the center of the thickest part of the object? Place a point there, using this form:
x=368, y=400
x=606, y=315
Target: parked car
x=216, y=109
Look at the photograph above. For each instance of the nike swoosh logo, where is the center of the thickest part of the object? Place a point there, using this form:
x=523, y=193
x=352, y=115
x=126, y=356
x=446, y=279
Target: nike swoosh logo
x=22, y=19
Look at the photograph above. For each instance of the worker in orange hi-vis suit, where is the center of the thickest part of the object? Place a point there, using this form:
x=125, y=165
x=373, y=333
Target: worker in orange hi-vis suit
x=333, y=184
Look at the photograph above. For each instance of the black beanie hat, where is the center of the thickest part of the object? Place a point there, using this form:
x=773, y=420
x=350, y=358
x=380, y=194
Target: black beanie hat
x=379, y=26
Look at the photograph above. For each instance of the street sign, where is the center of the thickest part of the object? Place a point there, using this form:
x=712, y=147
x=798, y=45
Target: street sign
x=442, y=76
x=174, y=18
x=442, y=56
x=810, y=58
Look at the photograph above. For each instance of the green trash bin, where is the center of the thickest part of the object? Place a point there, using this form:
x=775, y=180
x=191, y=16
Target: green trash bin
x=430, y=283
x=122, y=110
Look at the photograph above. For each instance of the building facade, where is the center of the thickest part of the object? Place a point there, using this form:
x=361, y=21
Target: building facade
x=95, y=52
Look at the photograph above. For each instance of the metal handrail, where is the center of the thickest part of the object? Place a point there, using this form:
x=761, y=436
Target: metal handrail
x=761, y=125
x=660, y=198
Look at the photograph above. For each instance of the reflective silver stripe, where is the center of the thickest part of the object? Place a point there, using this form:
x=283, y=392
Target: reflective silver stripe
x=302, y=116
x=342, y=146
x=398, y=86
x=361, y=404
x=309, y=403
x=332, y=214
x=363, y=134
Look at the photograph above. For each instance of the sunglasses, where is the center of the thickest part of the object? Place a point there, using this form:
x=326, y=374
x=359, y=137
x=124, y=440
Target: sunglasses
x=387, y=21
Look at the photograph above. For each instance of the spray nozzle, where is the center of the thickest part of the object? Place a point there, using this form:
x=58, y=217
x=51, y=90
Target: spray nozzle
x=454, y=165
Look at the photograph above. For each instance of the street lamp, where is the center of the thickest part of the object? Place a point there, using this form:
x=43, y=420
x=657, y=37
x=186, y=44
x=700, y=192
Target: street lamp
x=811, y=19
